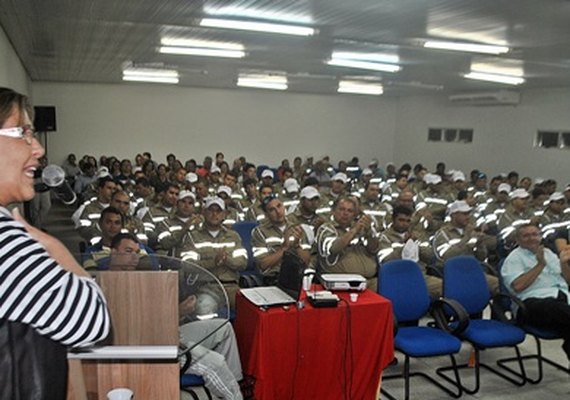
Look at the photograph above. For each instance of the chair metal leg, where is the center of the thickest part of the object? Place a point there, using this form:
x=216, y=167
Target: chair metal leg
x=191, y=393
x=540, y=359
x=478, y=365
x=407, y=375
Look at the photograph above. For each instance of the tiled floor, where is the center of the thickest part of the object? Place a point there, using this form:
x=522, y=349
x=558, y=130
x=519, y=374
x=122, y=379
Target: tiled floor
x=555, y=385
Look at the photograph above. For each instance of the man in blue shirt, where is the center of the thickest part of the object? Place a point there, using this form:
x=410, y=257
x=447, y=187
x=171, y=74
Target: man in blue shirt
x=540, y=279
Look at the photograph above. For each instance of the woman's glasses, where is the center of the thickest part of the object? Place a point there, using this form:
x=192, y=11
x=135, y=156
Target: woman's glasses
x=27, y=133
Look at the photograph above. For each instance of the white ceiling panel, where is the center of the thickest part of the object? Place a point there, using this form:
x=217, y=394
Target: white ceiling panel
x=93, y=41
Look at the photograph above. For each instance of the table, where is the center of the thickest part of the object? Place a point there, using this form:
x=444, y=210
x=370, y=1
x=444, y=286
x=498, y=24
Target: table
x=316, y=353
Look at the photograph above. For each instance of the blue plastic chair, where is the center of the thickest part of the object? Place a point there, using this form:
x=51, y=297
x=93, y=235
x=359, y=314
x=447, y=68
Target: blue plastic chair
x=464, y=281
x=251, y=276
x=402, y=282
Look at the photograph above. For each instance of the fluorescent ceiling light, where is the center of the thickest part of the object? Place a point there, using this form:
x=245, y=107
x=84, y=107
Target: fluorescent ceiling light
x=152, y=79
x=206, y=44
x=263, y=81
x=151, y=75
x=166, y=73
x=375, y=57
x=468, y=47
x=339, y=62
x=243, y=12
x=257, y=26
x=357, y=87
x=195, y=51
x=507, y=79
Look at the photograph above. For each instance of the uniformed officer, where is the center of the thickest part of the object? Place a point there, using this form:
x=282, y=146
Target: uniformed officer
x=173, y=231
x=460, y=238
x=396, y=236
x=275, y=236
x=91, y=212
x=216, y=248
x=347, y=245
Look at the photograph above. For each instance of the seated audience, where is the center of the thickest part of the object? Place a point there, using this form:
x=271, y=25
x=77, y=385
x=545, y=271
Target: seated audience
x=460, y=237
x=275, y=236
x=90, y=212
x=173, y=231
x=347, y=245
x=216, y=248
x=398, y=236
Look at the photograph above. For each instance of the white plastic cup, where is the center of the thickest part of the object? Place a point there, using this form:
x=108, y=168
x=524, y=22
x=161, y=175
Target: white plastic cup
x=120, y=394
x=353, y=297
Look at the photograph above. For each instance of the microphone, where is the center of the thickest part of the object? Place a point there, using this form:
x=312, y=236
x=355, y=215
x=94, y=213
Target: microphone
x=54, y=177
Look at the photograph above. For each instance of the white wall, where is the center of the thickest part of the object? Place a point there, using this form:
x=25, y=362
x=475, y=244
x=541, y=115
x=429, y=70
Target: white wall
x=264, y=126
x=12, y=73
x=503, y=135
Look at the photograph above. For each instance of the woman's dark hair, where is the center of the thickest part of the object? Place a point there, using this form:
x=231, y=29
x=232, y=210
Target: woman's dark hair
x=10, y=99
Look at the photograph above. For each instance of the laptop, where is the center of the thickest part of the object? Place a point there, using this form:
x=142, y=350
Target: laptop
x=289, y=284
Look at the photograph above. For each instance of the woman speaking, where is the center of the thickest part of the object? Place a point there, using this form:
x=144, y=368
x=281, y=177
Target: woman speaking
x=47, y=301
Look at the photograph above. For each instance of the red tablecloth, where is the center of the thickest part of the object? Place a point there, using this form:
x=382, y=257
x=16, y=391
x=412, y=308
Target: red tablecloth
x=316, y=353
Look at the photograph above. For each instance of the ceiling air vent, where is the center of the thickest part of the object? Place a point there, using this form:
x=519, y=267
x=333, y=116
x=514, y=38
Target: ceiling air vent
x=499, y=98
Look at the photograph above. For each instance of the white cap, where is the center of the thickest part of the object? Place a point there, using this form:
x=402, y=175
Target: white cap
x=367, y=171
x=432, y=179
x=309, y=192
x=191, y=177
x=340, y=176
x=291, y=185
x=372, y=162
x=224, y=189
x=519, y=194
x=210, y=201
x=186, y=193
x=103, y=172
x=458, y=176
x=267, y=173
x=215, y=169
x=459, y=206
x=556, y=196
x=504, y=187
x=567, y=188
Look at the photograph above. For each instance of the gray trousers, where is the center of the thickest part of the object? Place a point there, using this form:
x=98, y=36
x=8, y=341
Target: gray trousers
x=215, y=357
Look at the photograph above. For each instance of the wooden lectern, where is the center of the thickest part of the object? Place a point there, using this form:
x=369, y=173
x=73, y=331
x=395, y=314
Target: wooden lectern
x=142, y=351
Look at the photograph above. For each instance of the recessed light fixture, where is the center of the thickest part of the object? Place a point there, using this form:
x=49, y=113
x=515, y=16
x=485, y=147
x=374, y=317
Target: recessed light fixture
x=467, y=47
x=372, y=66
x=248, y=12
x=204, y=48
x=195, y=51
x=506, y=79
x=205, y=44
x=372, y=57
x=151, y=75
x=263, y=81
x=359, y=87
x=258, y=26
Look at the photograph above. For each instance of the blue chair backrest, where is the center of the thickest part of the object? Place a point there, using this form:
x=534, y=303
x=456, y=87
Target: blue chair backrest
x=464, y=281
x=260, y=169
x=244, y=229
x=402, y=282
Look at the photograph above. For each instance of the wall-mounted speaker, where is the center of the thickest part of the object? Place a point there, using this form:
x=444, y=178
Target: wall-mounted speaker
x=44, y=120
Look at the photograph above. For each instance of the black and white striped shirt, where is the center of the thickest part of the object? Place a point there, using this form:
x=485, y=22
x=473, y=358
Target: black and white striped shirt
x=35, y=290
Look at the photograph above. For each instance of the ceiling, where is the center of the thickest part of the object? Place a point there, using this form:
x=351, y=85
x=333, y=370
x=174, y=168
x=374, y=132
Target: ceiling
x=94, y=40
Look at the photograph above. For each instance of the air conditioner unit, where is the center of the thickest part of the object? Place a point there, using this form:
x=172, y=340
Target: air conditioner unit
x=502, y=97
